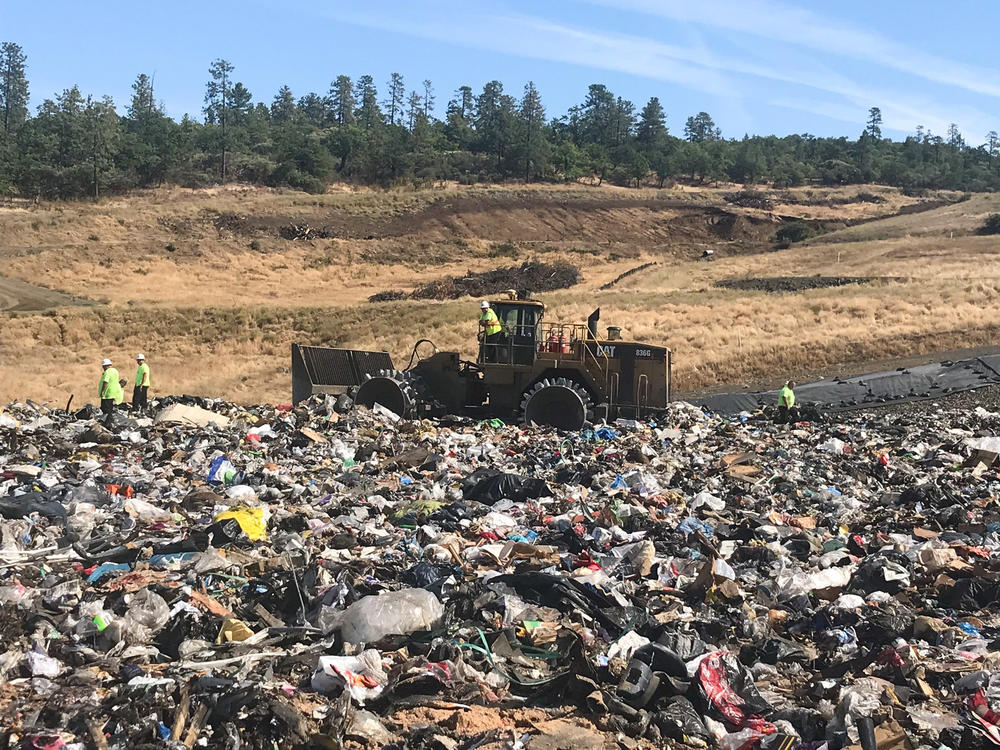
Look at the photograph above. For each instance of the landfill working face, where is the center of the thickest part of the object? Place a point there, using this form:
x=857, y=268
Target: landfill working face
x=323, y=576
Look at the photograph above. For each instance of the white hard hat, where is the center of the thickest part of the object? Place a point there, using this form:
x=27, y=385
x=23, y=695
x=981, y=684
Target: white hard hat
x=106, y=362
x=484, y=304
x=140, y=356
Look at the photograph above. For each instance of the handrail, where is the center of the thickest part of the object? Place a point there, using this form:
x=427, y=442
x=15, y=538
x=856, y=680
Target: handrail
x=606, y=366
x=642, y=398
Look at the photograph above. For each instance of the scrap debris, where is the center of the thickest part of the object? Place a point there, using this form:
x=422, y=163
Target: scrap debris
x=226, y=576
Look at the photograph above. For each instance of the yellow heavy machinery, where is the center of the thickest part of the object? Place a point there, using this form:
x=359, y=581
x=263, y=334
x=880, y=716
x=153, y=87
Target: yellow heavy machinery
x=548, y=373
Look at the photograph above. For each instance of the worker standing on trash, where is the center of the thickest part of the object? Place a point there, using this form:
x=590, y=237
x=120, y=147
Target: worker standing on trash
x=140, y=392
x=109, y=389
x=491, y=328
x=787, y=411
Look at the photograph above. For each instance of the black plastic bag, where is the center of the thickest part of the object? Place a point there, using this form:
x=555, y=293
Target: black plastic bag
x=687, y=646
x=426, y=575
x=870, y=575
x=32, y=502
x=488, y=486
x=680, y=719
x=883, y=625
x=970, y=594
x=567, y=595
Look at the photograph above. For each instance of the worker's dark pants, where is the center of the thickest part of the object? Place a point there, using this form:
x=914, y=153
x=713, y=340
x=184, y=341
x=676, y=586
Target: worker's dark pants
x=108, y=407
x=140, y=395
x=787, y=415
x=491, y=347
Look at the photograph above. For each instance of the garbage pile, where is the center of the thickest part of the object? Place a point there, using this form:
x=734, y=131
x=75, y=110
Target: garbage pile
x=533, y=275
x=323, y=576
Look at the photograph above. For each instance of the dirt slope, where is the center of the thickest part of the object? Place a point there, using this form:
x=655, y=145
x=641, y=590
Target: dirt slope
x=19, y=296
x=214, y=285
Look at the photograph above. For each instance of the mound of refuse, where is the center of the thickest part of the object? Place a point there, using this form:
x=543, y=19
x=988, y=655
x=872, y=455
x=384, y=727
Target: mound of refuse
x=793, y=283
x=229, y=576
x=531, y=276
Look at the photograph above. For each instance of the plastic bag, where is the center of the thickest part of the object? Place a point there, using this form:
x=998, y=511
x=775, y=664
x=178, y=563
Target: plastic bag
x=251, y=520
x=372, y=618
x=361, y=675
x=221, y=471
x=680, y=720
x=147, y=511
x=147, y=614
x=729, y=688
x=488, y=486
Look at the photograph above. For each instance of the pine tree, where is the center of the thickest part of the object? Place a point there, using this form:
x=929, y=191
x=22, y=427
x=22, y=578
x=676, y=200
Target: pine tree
x=652, y=124
x=428, y=98
x=218, y=101
x=873, y=128
x=341, y=101
x=143, y=104
x=283, y=105
x=397, y=93
x=13, y=88
x=102, y=124
x=415, y=109
x=701, y=128
x=368, y=114
x=312, y=108
x=955, y=139
x=532, y=115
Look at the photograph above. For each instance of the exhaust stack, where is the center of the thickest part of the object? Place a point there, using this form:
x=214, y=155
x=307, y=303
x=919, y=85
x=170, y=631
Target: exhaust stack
x=592, y=322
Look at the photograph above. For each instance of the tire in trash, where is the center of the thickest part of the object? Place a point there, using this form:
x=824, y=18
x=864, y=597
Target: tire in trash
x=555, y=402
x=391, y=390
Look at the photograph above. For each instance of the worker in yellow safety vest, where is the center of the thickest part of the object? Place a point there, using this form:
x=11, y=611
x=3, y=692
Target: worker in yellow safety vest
x=140, y=391
x=788, y=412
x=491, y=328
x=109, y=389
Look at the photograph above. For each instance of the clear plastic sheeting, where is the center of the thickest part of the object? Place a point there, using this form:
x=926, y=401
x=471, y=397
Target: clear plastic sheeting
x=897, y=386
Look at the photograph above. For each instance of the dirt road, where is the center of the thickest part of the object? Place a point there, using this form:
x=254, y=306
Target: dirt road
x=19, y=296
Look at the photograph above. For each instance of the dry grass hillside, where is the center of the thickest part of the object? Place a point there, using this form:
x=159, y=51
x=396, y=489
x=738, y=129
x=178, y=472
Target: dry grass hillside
x=214, y=285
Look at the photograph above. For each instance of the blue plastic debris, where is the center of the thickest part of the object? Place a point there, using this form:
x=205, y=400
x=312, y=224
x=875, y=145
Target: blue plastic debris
x=105, y=569
x=691, y=525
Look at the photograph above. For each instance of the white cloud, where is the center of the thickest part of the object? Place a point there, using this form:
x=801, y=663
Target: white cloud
x=801, y=27
x=525, y=36
x=697, y=67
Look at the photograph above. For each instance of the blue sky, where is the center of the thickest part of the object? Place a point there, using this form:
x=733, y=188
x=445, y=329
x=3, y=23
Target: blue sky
x=757, y=66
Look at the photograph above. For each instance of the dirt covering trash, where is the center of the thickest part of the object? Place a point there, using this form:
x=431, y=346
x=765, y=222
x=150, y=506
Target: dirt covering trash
x=533, y=275
x=333, y=577
x=795, y=283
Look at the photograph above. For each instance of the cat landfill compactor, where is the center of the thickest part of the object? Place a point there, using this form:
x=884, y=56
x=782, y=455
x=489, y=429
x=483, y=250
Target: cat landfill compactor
x=556, y=374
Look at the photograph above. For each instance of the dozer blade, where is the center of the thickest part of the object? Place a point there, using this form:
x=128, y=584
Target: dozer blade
x=317, y=369
x=558, y=403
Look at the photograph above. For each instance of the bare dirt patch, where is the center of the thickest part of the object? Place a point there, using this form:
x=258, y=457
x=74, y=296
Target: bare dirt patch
x=20, y=296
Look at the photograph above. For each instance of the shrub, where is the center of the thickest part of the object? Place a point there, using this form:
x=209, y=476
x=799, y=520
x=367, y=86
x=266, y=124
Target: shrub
x=796, y=231
x=254, y=245
x=499, y=249
x=991, y=225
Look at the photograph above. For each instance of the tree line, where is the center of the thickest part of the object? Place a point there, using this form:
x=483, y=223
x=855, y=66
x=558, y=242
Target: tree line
x=76, y=146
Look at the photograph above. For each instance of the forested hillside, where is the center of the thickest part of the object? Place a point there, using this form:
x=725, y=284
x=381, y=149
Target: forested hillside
x=361, y=131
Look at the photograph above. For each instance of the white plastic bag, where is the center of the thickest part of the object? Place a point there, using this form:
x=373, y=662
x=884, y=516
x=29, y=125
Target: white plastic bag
x=372, y=618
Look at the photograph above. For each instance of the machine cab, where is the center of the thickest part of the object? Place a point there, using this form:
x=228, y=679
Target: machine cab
x=518, y=340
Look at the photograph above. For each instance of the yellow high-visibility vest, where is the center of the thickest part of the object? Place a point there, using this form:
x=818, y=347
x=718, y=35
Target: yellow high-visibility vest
x=787, y=397
x=109, y=387
x=492, y=322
